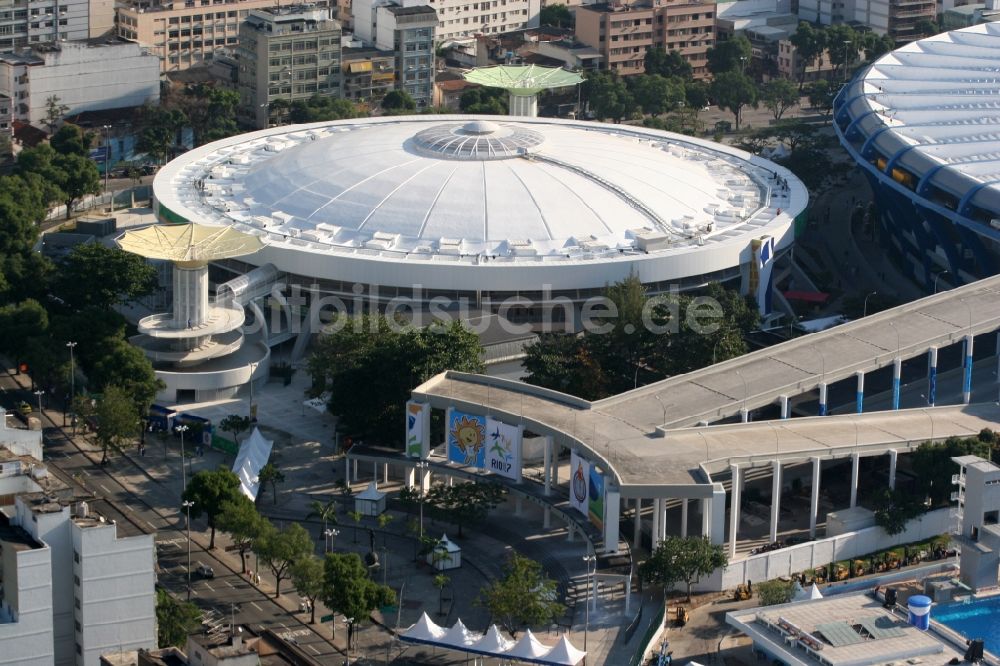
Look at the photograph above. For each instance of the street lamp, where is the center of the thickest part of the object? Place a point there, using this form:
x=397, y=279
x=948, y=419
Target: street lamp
x=182, y=429
x=39, y=393
x=937, y=276
x=746, y=393
x=330, y=535
x=588, y=559
x=865, y=312
x=349, y=621
x=72, y=384
x=107, y=158
x=421, y=466
x=187, y=507
x=657, y=396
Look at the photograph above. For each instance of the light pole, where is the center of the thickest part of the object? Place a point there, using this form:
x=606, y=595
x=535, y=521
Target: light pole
x=330, y=534
x=746, y=393
x=865, y=312
x=39, y=393
x=420, y=467
x=936, y=277
x=187, y=507
x=715, y=347
x=349, y=621
x=657, y=396
x=184, y=484
x=107, y=158
x=72, y=384
x=847, y=57
x=588, y=559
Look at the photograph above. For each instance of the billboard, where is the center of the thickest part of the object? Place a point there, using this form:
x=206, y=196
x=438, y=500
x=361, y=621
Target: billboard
x=595, y=498
x=503, y=449
x=579, y=482
x=466, y=438
x=418, y=429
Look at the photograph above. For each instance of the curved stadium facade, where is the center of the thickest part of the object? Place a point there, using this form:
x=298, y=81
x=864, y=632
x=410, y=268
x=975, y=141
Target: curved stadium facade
x=924, y=123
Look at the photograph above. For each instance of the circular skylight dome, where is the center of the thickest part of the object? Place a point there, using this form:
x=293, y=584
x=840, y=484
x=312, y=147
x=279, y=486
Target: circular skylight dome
x=476, y=140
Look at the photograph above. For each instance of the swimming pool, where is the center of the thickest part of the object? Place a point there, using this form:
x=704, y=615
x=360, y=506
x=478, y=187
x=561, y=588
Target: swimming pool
x=976, y=619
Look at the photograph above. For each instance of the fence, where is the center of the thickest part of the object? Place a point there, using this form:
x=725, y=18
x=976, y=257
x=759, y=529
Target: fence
x=802, y=557
x=653, y=632
x=122, y=198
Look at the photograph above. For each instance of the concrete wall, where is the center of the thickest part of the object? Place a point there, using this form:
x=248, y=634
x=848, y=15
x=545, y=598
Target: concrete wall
x=28, y=593
x=796, y=559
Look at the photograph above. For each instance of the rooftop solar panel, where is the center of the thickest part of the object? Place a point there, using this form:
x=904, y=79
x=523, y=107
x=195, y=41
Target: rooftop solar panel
x=839, y=634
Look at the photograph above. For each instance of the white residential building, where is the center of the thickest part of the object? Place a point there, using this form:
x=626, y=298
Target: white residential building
x=457, y=19
x=29, y=23
x=71, y=588
x=83, y=76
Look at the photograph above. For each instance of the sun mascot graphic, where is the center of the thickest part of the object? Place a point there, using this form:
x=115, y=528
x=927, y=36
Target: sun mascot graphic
x=470, y=437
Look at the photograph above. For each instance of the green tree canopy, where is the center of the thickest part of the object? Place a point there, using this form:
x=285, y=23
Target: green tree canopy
x=730, y=56
x=843, y=44
x=71, y=140
x=54, y=111
x=932, y=466
x=349, y=590
x=175, y=619
x=157, y=130
x=666, y=64
x=271, y=475
x=607, y=95
x=775, y=592
x=484, y=101
x=809, y=42
x=682, y=560
x=211, y=111
x=309, y=579
x=733, y=90
x=779, y=95
x=464, y=503
x=117, y=362
x=696, y=93
x=280, y=549
x=321, y=107
x=117, y=423
x=211, y=491
x=238, y=517
x=657, y=94
x=523, y=596
x=398, y=101
x=821, y=95
x=556, y=15
x=98, y=276
x=235, y=424
x=80, y=178
x=19, y=323
x=894, y=509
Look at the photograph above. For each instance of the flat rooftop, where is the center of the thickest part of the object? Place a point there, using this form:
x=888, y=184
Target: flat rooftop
x=845, y=630
x=15, y=537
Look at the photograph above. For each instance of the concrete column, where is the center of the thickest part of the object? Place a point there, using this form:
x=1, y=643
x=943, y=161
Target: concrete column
x=684, y=518
x=744, y=415
x=547, y=473
x=374, y=470
x=355, y=470
x=718, y=514
x=706, y=517
x=570, y=528
x=822, y=398
x=547, y=517
x=663, y=521
x=855, y=466
x=785, y=406
x=612, y=514
x=775, y=498
x=425, y=481
x=734, y=509
x=859, y=395
x=998, y=356
x=410, y=478
x=654, y=538
x=893, y=453
x=555, y=464
x=385, y=473
x=637, y=526
x=814, y=500
x=932, y=376
x=347, y=469
x=897, y=372
x=967, y=378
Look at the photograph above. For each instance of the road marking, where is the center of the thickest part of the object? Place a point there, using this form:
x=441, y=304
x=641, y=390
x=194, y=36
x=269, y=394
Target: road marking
x=209, y=586
x=310, y=646
x=254, y=604
x=229, y=584
x=104, y=488
x=151, y=525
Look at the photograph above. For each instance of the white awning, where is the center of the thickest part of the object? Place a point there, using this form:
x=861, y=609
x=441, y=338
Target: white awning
x=253, y=455
x=424, y=631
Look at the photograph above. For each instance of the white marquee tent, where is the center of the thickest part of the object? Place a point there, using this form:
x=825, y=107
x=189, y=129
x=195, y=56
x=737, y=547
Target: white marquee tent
x=253, y=455
x=493, y=643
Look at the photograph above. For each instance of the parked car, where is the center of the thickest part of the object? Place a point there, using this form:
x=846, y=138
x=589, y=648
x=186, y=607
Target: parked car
x=205, y=571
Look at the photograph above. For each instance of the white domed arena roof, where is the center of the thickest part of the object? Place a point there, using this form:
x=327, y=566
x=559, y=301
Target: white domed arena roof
x=463, y=191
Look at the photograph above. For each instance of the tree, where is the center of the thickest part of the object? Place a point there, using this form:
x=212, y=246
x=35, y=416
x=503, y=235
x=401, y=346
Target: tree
x=157, y=130
x=821, y=96
x=465, y=503
x=321, y=107
x=733, y=91
x=308, y=578
x=101, y=277
x=607, y=96
x=279, y=549
x=682, y=560
x=54, y=111
x=81, y=178
x=440, y=582
x=271, y=474
x=398, y=101
x=211, y=111
x=774, y=592
x=211, y=491
x=383, y=521
x=657, y=94
x=779, y=95
x=809, y=44
x=239, y=519
x=894, y=509
x=732, y=55
x=523, y=596
x=484, y=101
x=556, y=15
x=926, y=28
x=24, y=200
x=71, y=140
x=175, y=619
x=842, y=43
x=876, y=45
x=666, y=64
x=115, y=361
x=349, y=590
x=932, y=466
x=116, y=420
x=370, y=365
x=235, y=424
x=696, y=93
x=325, y=511
x=20, y=323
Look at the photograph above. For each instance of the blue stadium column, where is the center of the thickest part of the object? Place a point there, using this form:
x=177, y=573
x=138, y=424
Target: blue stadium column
x=967, y=379
x=932, y=376
x=859, y=396
x=822, y=399
x=897, y=371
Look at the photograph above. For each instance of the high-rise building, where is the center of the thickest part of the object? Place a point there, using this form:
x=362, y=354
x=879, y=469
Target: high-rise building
x=623, y=32
x=186, y=32
x=410, y=31
x=286, y=53
x=457, y=19
x=896, y=18
x=24, y=23
x=369, y=74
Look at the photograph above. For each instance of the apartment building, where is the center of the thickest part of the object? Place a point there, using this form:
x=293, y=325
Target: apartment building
x=409, y=30
x=368, y=74
x=623, y=33
x=84, y=76
x=790, y=64
x=6, y=118
x=286, y=53
x=23, y=23
x=185, y=33
x=459, y=19
x=896, y=18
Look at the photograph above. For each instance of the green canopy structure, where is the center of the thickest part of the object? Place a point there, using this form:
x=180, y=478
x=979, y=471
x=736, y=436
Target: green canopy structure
x=523, y=83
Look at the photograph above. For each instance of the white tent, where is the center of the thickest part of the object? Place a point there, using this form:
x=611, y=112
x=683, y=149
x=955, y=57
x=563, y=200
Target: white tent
x=814, y=592
x=460, y=638
x=424, y=631
x=446, y=555
x=370, y=501
x=800, y=594
x=253, y=455
x=528, y=648
x=564, y=653
x=492, y=643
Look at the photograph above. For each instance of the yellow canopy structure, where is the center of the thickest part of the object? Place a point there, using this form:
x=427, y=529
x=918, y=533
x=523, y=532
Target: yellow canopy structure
x=187, y=243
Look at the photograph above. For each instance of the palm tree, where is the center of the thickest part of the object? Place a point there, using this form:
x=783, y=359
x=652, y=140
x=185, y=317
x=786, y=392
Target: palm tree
x=383, y=520
x=440, y=581
x=356, y=516
x=327, y=512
